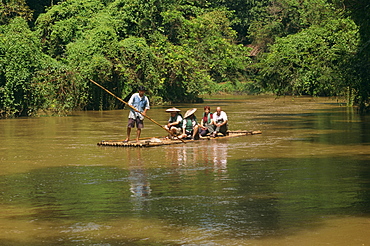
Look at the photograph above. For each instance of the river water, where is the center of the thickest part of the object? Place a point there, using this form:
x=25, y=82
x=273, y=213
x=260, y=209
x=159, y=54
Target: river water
x=304, y=181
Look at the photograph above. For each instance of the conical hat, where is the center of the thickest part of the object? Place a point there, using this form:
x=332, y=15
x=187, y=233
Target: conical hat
x=190, y=112
x=172, y=110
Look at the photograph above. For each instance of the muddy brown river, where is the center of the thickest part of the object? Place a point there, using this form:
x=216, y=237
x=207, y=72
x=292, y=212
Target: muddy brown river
x=304, y=181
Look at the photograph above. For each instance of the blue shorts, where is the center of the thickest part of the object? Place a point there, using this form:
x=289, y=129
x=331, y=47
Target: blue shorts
x=139, y=123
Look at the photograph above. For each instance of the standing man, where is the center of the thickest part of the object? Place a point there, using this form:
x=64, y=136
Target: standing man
x=219, y=122
x=141, y=103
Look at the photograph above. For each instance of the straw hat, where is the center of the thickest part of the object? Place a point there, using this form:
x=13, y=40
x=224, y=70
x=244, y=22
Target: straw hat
x=170, y=110
x=190, y=112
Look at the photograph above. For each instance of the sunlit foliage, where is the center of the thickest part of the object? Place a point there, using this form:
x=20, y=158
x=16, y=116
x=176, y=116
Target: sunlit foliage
x=180, y=50
x=20, y=59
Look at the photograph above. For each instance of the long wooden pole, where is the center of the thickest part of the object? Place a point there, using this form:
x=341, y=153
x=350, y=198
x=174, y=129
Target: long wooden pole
x=121, y=100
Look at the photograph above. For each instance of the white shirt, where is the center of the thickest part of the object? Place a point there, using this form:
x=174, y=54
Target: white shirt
x=178, y=119
x=138, y=102
x=220, y=118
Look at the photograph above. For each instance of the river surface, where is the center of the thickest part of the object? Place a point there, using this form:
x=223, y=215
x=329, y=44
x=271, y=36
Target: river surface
x=304, y=181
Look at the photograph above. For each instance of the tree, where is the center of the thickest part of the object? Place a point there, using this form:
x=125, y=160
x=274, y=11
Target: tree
x=20, y=59
x=10, y=9
x=360, y=65
x=279, y=18
x=65, y=22
x=208, y=44
x=312, y=61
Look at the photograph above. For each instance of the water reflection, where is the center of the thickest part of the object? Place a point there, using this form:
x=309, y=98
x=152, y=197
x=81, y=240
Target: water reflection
x=138, y=179
x=207, y=152
x=309, y=167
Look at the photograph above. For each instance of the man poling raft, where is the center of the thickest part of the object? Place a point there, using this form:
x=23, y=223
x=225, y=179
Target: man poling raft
x=141, y=103
x=133, y=108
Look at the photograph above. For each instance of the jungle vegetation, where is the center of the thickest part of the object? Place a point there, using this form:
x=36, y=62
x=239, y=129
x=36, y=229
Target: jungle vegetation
x=180, y=50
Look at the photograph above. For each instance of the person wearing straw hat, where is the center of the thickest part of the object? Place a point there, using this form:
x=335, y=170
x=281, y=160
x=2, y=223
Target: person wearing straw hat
x=141, y=103
x=189, y=125
x=174, y=124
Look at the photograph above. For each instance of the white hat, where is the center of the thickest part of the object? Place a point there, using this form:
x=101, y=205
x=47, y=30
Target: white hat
x=190, y=112
x=170, y=110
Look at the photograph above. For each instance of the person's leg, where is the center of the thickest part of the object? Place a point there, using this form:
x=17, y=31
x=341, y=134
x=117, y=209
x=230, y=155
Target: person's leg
x=203, y=132
x=175, y=132
x=187, y=134
x=217, y=129
x=210, y=128
x=128, y=134
x=184, y=135
x=130, y=125
x=169, y=130
x=138, y=132
x=139, y=125
x=223, y=129
x=195, y=132
x=178, y=132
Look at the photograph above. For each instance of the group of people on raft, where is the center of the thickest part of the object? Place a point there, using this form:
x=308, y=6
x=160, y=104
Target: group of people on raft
x=188, y=126
x=180, y=126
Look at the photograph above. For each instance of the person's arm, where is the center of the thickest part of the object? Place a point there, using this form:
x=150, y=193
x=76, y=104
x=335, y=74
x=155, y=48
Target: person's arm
x=215, y=119
x=212, y=121
x=224, y=117
x=169, y=124
x=147, y=107
x=172, y=124
x=175, y=123
x=178, y=121
x=131, y=100
x=183, y=126
x=202, y=124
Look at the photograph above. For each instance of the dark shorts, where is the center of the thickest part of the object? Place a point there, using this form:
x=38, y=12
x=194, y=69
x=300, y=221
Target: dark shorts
x=139, y=123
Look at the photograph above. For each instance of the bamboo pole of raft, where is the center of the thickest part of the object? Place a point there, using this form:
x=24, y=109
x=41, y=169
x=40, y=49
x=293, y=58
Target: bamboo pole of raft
x=121, y=100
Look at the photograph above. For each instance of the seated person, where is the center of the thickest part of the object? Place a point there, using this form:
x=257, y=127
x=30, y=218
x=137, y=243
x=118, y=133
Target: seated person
x=190, y=126
x=206, y=124
x=219, y=122
x=174, y=122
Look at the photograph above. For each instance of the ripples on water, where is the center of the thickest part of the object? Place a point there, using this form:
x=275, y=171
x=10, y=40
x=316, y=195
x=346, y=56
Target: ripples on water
x=300, y=177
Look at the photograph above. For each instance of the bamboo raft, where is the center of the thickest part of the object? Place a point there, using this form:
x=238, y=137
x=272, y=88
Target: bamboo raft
x=159, y=141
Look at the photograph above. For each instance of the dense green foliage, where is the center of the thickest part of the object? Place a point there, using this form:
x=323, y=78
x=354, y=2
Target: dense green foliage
x=180, y=50
x=312, y=61
x=20, y=59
